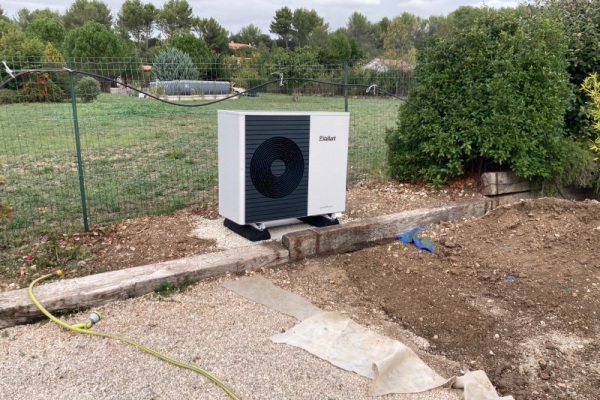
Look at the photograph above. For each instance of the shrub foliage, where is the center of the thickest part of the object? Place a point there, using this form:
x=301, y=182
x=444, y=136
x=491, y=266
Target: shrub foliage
x=488, y=92
x=88, y=89
x=172, y=64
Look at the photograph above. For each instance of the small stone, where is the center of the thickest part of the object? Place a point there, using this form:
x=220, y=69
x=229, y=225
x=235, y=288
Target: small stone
x=492, y=353
x=543, y=323
x=435, y=337
x=543, y=364
x=544, y=375
x=496, y=336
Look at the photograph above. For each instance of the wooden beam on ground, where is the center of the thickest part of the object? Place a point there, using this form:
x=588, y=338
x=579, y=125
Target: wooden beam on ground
x=94, y=290
x=358, y=234
x=495, y=183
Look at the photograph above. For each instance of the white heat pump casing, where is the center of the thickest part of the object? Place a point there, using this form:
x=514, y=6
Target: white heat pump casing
x=326, y=169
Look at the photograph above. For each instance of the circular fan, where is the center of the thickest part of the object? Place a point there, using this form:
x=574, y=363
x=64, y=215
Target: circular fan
x=277, y=167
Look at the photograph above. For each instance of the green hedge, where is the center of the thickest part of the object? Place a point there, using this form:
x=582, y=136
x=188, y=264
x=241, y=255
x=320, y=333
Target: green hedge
x=487, y=93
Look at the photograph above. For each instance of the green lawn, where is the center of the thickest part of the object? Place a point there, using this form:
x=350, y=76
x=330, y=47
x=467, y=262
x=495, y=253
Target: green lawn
x=143, y=157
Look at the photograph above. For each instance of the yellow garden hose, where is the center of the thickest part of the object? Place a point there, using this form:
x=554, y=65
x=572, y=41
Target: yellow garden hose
x=83, y=328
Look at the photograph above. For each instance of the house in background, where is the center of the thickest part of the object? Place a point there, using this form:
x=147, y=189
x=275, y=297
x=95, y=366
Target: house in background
x=235, y=46
x=383, y=65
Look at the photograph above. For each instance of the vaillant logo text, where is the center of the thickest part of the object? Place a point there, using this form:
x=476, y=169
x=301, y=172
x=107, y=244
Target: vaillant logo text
x=326, y=138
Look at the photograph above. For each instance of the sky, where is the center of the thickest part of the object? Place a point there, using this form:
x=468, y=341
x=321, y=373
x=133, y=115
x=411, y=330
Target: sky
x=234, y=14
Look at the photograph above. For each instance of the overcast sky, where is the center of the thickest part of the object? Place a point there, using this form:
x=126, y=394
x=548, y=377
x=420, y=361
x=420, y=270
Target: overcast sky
x=233, y=14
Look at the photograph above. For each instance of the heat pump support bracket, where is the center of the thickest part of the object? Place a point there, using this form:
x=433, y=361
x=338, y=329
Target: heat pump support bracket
x=248, y=231
x=320, y=221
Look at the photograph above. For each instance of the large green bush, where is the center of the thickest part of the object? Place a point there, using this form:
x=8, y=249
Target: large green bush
x=488, y=92
x=172, y=64
x=581, y=24
x=88, y=89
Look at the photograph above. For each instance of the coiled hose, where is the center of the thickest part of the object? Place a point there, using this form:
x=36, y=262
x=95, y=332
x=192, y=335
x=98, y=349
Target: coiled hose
x=75, y=328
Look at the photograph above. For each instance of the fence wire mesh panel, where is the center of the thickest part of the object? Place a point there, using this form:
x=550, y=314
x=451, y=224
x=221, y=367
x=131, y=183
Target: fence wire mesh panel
x=140, y=156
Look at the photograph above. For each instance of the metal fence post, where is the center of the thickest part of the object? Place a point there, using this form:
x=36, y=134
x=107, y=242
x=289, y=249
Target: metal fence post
x=78, y=148
x=345, y=85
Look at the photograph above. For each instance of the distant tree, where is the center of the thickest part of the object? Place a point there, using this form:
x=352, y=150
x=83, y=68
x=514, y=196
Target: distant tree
x=5, y=23
x=175, y=18
x=131, y=18
x=305, y=21
x=402, y=35
x=282, y=24
x=16, y=44
x=360, y=29
x=302, y=62
x=213, y=34
x=251, y=34
x=320, y=37
x=52, y=58
x=357, y=52
x=24, y=16
x=191, y=45
x=47, y=30
x=438, y=25
x=52, y=55
x=381, y=28
x=82, y=11
x=339, y=46
x=94, y=40
x=149, y=16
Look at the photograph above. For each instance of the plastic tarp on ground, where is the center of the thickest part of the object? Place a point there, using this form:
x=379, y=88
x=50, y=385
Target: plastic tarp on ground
x=334, y=337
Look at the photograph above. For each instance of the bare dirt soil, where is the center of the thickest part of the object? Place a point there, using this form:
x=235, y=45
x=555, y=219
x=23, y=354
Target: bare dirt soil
x=515, y=293
x=148, y=240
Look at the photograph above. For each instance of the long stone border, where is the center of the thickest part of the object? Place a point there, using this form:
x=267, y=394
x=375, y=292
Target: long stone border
x=94, y=290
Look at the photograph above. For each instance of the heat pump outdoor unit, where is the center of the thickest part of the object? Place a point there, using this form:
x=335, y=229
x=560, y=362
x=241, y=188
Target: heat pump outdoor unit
x=277, y=166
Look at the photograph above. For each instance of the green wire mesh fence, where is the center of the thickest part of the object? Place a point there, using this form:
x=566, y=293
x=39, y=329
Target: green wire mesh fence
x=139, y=156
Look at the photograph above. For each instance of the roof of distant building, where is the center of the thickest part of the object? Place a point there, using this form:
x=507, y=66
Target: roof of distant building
x=381, y=65
x=234, y=46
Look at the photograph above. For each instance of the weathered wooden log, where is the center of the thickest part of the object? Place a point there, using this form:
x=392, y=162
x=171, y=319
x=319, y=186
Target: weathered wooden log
x=495, y=183
x=94, y=290
x=358, y=234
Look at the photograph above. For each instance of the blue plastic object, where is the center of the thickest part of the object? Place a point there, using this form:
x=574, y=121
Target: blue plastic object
x=421, y=243
x=410, y=235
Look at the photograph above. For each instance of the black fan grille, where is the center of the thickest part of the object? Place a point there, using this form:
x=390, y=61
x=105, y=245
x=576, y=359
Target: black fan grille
x=266, y=167
x=276, y=169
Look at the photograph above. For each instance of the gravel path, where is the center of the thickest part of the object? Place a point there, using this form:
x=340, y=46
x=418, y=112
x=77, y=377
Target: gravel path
x=206, y=325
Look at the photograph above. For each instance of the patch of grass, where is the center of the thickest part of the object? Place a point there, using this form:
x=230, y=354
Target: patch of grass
x=175, y=154
x=165, y=288
x=168, y=288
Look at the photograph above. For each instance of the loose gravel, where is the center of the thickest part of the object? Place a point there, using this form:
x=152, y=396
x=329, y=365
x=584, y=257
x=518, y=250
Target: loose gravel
x=206, y=325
